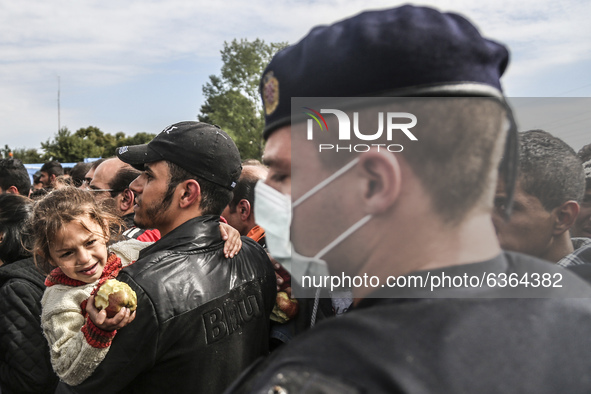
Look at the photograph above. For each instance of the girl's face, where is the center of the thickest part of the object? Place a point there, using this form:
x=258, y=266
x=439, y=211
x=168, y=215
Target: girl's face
x=81, y=254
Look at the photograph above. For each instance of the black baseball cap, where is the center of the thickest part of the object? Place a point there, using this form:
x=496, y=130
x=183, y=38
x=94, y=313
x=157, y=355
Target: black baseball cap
x=202, y=149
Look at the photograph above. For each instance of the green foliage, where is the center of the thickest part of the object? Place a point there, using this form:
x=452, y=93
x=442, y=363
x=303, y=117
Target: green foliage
x=68, y=147
x=138, y=139
x=232, y=99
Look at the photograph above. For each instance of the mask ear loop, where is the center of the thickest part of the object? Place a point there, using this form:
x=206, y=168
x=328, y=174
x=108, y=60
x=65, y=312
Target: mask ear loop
x=510, y=162
x=329, y=247
x=325, y=182
x=339, y=239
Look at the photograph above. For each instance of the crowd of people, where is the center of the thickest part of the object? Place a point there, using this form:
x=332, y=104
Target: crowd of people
x=212, y=246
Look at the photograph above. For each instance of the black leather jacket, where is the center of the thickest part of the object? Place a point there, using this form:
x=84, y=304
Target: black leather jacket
x=24, y=353
x=201, y=318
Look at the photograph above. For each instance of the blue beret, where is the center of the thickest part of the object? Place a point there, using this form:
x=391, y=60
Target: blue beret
x=404, y=51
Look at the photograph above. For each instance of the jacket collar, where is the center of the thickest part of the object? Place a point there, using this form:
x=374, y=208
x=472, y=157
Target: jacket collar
x=198, y=233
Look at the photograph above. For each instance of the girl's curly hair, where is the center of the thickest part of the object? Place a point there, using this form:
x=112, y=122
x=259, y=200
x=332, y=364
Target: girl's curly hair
x=60, y=207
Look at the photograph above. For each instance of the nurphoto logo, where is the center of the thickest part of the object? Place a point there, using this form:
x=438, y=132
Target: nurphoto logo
x=394, y=122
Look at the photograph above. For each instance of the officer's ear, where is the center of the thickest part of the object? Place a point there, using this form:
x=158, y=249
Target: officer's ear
x=565, y=216
x=381, y=180
x=190, y=193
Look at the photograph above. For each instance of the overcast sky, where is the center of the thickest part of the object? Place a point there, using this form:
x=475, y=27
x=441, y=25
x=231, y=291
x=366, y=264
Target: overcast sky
x=137, y=66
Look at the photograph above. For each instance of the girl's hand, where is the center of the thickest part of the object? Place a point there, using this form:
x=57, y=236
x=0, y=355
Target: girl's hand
x=100, y=319
x=233, y=243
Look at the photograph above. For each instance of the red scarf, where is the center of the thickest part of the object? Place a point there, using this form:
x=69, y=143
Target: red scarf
x=111, y=270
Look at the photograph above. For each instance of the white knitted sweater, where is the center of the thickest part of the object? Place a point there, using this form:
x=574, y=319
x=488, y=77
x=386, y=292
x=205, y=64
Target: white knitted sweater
x=72, y=357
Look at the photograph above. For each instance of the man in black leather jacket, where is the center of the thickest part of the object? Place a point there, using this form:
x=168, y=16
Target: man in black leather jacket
x=201, y=319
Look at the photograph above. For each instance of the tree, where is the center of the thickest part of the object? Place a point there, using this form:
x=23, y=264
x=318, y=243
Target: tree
x=67, y=147
x=104, y=142
x=88, y=142
x=28, y=155
x=138, y=139
x=232, y=98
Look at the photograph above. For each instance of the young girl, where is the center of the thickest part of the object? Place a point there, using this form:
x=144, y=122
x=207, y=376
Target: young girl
x=70, y=235
x=71, y=232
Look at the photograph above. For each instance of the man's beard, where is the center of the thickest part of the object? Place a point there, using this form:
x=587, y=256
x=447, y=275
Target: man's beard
x=152, y=216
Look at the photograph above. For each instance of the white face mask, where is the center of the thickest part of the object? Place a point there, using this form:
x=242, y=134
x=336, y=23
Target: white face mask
x=273, y=213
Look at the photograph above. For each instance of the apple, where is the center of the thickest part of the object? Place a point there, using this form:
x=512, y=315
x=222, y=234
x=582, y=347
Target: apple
x=114, y=295
x=285, y=308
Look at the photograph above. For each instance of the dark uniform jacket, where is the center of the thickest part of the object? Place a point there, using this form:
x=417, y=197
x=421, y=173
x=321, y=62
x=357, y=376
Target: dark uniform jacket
x=24, y=354
x=444, y=345
x=201, y=318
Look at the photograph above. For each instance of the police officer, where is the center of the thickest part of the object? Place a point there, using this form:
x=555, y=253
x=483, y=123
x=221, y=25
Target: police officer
x=417, y=216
